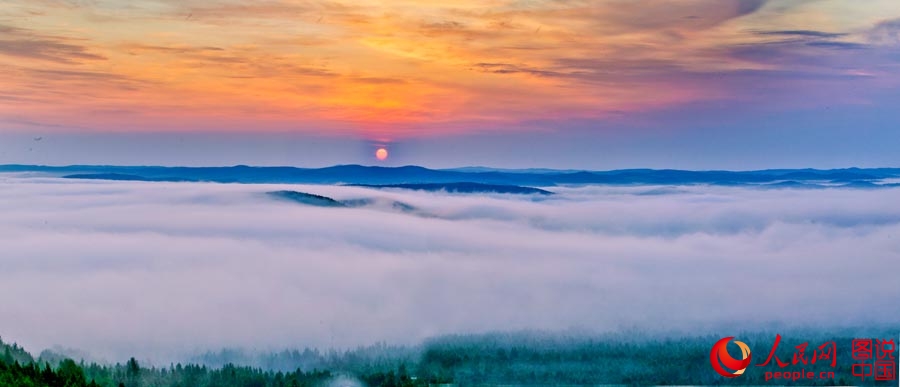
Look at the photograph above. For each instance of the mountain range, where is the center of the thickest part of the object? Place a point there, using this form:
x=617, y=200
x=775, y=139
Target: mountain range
x=399, y=176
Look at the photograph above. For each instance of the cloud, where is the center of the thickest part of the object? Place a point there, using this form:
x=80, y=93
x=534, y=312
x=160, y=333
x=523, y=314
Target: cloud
x=24, y=43
x=803, y=33
x=802, y=54
x=838, y=45
x=746, y=7
x=164, y=270
x=266, y=9
x=506, y=68
x=886, y=32
x=403, y=69
x=625, y=17
x=80, y=76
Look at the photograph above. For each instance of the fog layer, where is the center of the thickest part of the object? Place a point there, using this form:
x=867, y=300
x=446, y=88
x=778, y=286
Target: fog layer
x=163, y=270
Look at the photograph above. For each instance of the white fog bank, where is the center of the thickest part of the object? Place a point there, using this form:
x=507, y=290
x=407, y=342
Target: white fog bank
x=161, y=270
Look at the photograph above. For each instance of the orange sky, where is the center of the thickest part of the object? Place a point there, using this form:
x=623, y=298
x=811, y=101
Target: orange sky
x=396, y=68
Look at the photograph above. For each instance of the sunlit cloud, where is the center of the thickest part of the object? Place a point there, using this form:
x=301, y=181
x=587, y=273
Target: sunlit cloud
x=403, y=69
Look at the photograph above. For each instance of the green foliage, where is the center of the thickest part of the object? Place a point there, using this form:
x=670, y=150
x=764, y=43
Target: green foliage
x=68, y=374
x=492, y=359
x=131, y=374
x=13, y=353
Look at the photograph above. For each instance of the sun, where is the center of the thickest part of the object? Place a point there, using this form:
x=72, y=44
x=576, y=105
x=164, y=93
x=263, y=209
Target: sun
x=381, y=154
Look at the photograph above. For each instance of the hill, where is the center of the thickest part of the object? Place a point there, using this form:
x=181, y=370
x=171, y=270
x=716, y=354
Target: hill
x=463, y=188
x=306, y=198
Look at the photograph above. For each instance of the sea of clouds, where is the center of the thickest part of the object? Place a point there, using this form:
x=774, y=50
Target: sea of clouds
x=164, y=270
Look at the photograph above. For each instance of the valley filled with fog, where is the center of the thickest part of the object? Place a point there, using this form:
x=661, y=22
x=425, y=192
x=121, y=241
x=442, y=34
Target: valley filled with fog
x=163, y=270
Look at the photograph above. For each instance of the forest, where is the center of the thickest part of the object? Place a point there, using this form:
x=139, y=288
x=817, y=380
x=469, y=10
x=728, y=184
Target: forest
x=522, y=358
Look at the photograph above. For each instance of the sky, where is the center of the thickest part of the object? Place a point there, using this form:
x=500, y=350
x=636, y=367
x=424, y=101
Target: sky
x=163, y=271
x=694, y=84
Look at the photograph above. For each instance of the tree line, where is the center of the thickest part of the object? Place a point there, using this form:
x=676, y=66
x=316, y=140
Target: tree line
x=523, y=358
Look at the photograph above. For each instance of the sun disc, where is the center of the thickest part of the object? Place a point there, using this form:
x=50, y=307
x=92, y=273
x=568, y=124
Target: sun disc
x=381, y=154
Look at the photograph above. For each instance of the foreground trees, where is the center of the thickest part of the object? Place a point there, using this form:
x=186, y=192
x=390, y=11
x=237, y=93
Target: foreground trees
x=71, y=374
x=490, y=359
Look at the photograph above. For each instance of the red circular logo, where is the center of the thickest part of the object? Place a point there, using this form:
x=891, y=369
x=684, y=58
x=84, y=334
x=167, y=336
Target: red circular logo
x=719, y=357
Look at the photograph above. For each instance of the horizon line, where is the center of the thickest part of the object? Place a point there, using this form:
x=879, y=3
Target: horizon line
x=462, y=169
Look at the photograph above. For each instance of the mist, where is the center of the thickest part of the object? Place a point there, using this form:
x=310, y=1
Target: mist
x=164, y=270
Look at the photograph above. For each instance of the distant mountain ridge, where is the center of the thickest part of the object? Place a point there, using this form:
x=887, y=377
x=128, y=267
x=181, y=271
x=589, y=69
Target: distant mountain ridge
x=373, y=175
